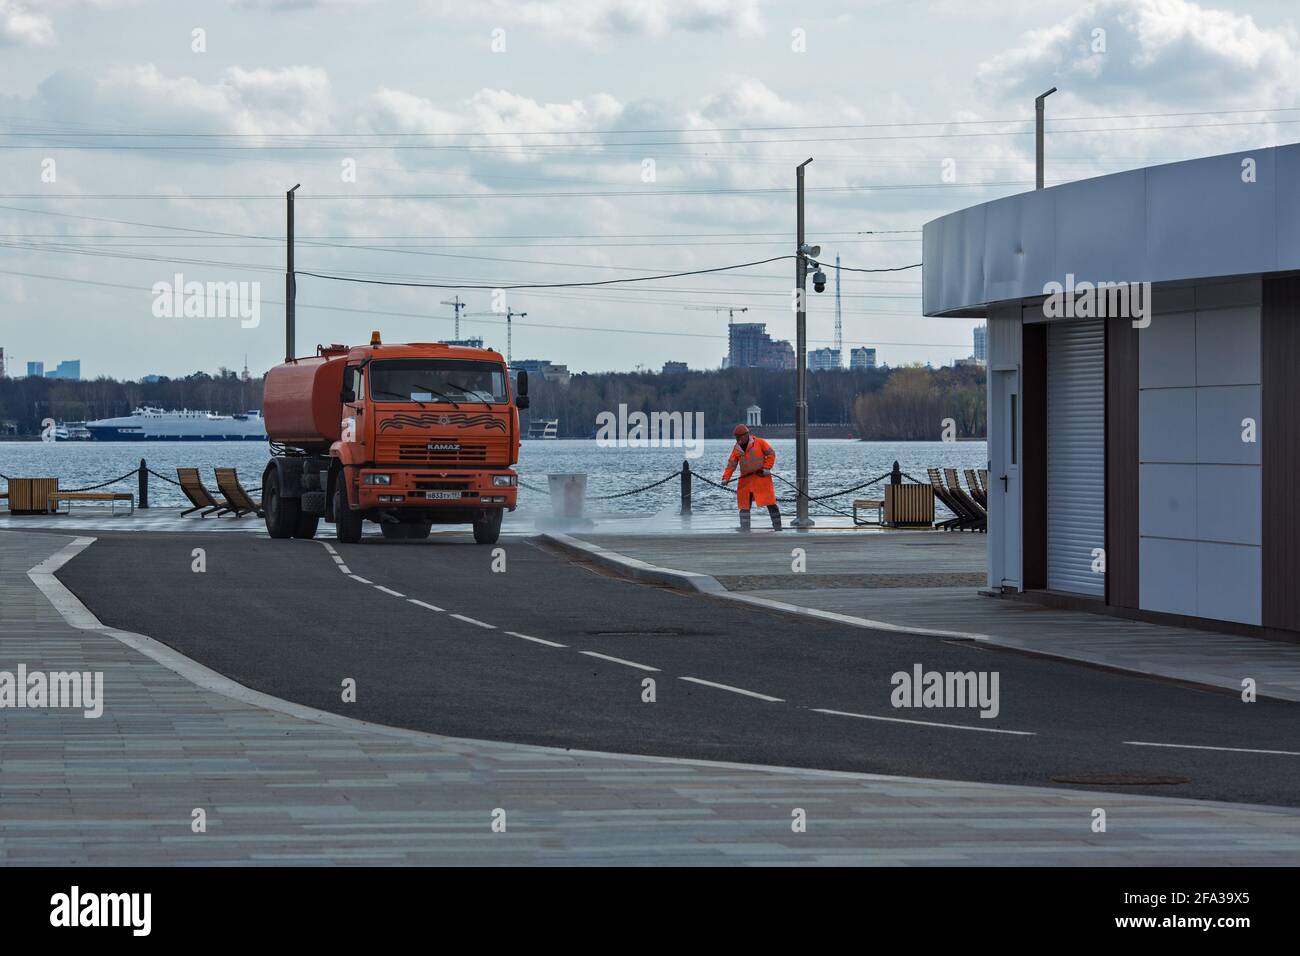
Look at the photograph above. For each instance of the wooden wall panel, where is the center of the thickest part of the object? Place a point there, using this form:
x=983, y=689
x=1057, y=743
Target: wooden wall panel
x=1033, y=453
x=1279, y=435
x=1122, y=342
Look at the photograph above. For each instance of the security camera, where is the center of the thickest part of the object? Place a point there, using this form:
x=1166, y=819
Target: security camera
x=819, y=281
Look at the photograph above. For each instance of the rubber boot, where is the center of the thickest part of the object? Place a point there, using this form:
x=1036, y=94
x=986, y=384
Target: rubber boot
x=744, y=520
x=775, y=513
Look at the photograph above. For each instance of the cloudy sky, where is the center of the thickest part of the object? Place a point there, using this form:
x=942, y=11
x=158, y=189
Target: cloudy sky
x=509, y=142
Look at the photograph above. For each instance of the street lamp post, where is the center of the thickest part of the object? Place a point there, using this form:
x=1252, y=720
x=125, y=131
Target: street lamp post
x=801, y=361
x=290, y=281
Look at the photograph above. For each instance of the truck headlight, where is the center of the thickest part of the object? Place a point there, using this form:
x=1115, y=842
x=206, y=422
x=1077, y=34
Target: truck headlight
x=378, y=479
x=503, y=481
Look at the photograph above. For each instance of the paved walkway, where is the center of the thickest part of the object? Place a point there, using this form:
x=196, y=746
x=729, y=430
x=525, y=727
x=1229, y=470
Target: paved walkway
x=929, y=580
x=280, y=783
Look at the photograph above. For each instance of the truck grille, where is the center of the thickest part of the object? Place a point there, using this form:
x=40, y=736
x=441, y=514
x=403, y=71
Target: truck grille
x=443, y=451
x=422, y=483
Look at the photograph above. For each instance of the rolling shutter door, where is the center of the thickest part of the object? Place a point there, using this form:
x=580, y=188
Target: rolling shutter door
x=1076, y=455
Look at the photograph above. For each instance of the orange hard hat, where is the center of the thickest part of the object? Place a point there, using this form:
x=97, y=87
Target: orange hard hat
x=741, y=430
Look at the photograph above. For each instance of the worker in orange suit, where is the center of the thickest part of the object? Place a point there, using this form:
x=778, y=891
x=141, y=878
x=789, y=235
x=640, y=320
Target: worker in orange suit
x=755, y=458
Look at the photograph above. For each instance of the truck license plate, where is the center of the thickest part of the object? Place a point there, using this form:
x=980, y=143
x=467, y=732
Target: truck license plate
x=443, y=495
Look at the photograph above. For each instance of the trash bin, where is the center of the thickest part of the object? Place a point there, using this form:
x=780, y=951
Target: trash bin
x=567, y=494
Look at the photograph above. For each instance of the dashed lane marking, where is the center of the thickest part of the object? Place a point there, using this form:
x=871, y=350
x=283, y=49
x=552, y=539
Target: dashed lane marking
x=619, y=660
x=536, y=640
x=380, y=587
x=926, y=723
x=329, y=547
x=357, y=577
x=475, y=621
x=345, y=569
x=734, y=690
x=427, y=607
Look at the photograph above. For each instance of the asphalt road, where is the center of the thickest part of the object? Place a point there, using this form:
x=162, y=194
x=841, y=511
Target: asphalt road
x=291, y=618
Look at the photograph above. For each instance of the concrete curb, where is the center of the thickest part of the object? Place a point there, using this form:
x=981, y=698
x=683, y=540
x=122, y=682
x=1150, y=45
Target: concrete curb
x=707, y=584
x=631, y=567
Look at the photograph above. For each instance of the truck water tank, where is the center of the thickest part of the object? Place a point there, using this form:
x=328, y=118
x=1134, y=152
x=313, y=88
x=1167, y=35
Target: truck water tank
x=301, y=402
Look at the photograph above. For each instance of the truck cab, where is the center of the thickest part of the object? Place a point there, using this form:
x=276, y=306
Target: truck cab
x=407, y=436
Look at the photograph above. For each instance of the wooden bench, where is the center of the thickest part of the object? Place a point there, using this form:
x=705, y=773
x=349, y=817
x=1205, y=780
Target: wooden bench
x=113, y=497
x=868, y=504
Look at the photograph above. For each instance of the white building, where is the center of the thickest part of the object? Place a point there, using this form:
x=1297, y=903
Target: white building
x=822, y=360
x=1145, y=461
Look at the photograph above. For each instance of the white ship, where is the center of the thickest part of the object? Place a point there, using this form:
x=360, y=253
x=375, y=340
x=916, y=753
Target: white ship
x=546, y=428
x=155, y=424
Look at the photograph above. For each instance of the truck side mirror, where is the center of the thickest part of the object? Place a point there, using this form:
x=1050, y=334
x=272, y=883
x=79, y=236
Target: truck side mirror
x=521, y=383
x=347, y=396
x=521, y=401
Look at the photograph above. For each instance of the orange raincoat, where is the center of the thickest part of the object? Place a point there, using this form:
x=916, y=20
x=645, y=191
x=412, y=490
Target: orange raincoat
x=758, y=454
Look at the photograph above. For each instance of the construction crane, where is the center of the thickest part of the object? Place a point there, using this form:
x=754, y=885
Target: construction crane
x=457, y=305
x=731, y=310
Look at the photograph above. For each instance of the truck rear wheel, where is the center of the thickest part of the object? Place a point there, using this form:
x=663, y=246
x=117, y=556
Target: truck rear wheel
x=488, y=529
x=282, y=514
x=347, y=523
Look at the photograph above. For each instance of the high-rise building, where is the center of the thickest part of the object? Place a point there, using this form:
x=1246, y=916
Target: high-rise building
x=981, y=353
x=2, y=363
x=823, y=360
x=749, y=346
x=674, y=368
x=35, y=369
x=862, y=357
x=543, y=368
x=70, y=370
x=474, y=343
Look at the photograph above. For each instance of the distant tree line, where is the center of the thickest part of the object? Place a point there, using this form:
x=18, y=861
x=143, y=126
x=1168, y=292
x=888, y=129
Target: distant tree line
x=905, y=403
x=883, y=404
x=25, y=402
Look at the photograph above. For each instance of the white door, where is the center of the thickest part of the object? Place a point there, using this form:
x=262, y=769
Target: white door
x=1076, y=456
x=1004, y=480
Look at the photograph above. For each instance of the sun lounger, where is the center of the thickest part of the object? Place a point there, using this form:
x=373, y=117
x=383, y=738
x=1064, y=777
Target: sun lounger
x=198, y=494
x=981, y=522
x=961, y=517
x=977, y=490
x=236, y=497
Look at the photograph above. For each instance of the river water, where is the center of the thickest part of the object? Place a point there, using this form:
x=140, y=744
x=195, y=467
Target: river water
x=833, y=464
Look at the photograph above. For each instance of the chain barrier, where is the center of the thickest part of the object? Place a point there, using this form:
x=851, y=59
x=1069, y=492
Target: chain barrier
x=104, y=484
x=163, y=477
x=524, y=484
x=636, y=491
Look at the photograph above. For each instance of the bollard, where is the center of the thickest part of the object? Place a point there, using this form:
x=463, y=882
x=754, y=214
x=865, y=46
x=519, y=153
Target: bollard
x=143, y=495
x=896, y=476
x=686, y=487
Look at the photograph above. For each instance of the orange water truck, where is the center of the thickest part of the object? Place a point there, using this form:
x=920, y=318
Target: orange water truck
x=407, y=436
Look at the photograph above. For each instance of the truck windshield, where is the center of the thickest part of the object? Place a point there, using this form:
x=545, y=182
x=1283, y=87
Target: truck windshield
x=445, y=381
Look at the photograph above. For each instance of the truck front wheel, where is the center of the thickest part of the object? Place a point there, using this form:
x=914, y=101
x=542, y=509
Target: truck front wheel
x=488, y=528
x=306, y=525
x=282, y=514
x=347, y=523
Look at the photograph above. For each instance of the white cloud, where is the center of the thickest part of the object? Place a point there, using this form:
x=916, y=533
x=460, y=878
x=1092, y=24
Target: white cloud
x=20, y=27
x=1172, y=51
x=588, y=20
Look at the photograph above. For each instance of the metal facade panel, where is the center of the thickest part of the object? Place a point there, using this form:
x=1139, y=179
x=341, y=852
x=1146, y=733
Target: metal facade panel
x=1202, y=220
x=1020, y=249
x=1076, y=455
x=1101, y=233
x=1189, y=220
